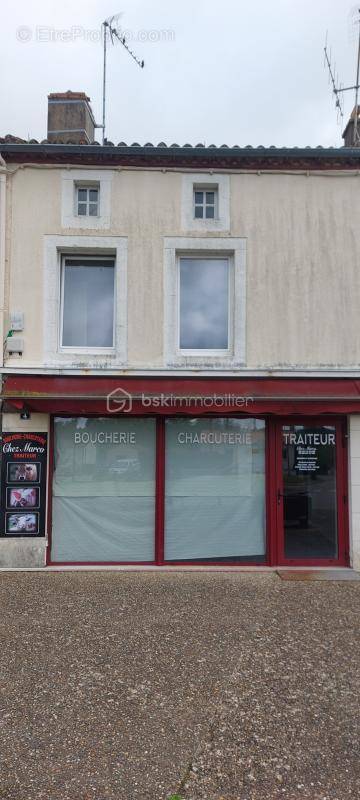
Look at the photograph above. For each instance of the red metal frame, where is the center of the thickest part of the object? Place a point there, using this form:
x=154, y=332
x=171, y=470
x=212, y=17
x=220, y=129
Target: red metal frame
x=271, y=528
x=273, y=482
x=49, y=490
x=209, y=562
x=160, y=491
x=341, y=494
x=49, y=561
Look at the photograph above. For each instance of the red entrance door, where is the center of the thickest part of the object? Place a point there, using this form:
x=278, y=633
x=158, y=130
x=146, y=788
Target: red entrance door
x=311, y=492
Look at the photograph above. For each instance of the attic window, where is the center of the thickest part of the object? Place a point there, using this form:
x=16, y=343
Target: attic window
x=87, y=200
x=205, y=202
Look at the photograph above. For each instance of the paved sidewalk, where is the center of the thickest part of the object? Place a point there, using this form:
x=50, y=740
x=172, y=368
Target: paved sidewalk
x=119, y=686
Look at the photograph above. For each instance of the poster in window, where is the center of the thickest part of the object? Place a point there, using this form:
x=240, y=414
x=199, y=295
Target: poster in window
x=23, y=484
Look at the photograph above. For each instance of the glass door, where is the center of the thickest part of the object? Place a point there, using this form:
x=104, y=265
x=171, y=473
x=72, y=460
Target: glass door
x=310, y=497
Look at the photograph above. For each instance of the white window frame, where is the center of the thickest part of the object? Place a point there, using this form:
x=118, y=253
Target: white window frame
x=205, y=182
x=77, y=348
x=71, y=179
x=206, y=188
x=88, y=186
x=181, y=351
x=218, y=247
x=101, y=247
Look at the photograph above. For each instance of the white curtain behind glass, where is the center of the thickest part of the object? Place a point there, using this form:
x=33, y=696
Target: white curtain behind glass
x=215, y=493
x=104, y=491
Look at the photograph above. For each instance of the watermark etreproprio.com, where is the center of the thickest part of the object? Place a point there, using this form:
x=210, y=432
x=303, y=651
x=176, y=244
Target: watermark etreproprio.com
x=121, y=401
x=45, y=34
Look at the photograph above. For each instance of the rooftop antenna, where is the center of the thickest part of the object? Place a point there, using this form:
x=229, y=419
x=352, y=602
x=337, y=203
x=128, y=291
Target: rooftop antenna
x=110, y=30
x=338, y=89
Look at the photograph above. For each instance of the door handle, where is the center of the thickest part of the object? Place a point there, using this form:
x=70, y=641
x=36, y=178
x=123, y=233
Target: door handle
x=280, y=494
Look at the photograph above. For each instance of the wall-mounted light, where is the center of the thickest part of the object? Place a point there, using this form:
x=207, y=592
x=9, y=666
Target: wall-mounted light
x=25, y=414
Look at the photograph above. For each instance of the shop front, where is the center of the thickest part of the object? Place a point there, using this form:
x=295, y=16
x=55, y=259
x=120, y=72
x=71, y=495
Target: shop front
x=182, y=471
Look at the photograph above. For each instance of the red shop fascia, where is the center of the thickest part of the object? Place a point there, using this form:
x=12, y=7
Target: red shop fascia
x=277, y=400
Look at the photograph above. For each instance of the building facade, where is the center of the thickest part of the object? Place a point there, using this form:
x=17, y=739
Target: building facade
x=181, y=361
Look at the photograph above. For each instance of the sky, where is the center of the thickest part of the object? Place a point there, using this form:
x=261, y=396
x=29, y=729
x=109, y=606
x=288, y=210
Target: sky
x=228, y=72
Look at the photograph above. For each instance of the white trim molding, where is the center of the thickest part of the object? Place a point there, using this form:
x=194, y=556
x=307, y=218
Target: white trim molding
x=3, y=332
x=70, y=178
x=220, y=246
x=54, y=248
x=188, y=221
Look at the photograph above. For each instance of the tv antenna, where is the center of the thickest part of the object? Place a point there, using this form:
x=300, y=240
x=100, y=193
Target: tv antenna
x=110, y=30
x=338, y=89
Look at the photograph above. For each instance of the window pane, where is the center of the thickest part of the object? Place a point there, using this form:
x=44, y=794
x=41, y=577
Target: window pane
x=199, y=197
x=82, y=194
x=82, y=209
x=210, y=212
x=88, y=306
x=204, y=303
x=104, y=490
x=93, y=195
x=199, y=212
x=210, y=198
x=215, y=489
x=309, y=475
x=93, y=209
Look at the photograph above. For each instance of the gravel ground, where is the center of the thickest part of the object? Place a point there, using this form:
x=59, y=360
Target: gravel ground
x=224, y=686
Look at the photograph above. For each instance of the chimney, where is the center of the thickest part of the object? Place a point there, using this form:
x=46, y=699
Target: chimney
x=349, y=133
x=70, y=118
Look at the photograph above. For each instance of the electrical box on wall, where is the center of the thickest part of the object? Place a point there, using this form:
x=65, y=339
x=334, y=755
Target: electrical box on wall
x=15, y=345
x=17, y=320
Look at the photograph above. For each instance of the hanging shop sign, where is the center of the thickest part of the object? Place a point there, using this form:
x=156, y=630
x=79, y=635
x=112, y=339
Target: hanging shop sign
x=23, y=484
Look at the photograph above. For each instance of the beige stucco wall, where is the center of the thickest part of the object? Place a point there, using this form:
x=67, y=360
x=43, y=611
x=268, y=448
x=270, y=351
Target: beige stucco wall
x=34, y=201
x=303, y=256
x=2, y=252
x=303, y=281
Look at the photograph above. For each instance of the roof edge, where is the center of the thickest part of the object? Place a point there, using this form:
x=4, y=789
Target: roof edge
x=174, y=155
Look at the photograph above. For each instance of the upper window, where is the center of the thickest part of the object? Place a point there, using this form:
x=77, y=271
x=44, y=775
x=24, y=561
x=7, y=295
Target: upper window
x=205, y=202
x=204, y=304
x=204, y=301
x=87, y=201
x=87, y=302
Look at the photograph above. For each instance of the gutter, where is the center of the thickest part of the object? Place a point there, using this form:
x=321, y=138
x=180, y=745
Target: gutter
x=199, y=156
x=176, y=150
